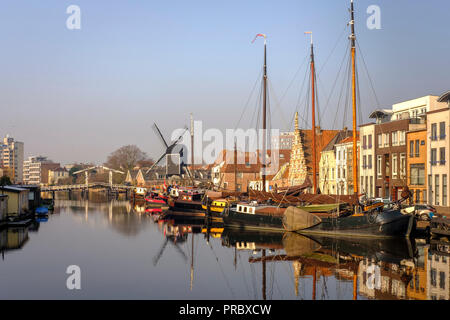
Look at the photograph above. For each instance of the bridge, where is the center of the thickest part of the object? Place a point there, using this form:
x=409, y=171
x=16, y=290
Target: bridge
x=84, y=186
x=110, y=187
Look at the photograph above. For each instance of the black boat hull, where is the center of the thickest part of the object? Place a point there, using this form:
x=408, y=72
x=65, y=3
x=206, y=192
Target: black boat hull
x=380, y=225
x=243, y=221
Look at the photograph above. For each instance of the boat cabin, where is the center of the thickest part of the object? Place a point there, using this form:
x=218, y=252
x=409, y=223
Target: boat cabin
x=191, y=196
x=245, y=208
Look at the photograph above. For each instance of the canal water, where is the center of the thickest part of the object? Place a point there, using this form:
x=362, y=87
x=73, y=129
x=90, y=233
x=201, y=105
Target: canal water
x=126, y=252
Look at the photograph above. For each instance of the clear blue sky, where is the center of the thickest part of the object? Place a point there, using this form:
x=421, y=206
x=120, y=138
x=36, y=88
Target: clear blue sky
x=77, y=95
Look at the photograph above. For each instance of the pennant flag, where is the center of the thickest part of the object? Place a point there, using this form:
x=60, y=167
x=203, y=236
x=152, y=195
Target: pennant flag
x=259, y=35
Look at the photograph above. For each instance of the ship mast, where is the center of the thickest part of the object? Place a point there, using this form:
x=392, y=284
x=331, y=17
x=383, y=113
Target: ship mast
x=264, y=117
x=313, y=95
x=353, y=52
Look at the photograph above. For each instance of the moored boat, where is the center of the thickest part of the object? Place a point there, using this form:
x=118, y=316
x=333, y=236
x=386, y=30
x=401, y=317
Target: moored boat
x=381, y=224
x=254, y=216
x=190, y=201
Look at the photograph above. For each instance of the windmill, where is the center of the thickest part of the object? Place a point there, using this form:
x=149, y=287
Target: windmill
x=174, y=158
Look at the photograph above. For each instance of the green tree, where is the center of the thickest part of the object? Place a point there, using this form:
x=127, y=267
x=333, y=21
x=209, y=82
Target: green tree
x=5, y=181
x=125, y=158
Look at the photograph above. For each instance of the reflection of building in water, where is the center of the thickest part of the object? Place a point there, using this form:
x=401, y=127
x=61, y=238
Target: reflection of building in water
x=382, y=280
x=306, y=270
x=438, y=266
x=13, y=238
x=417, y=288
x=118, y=214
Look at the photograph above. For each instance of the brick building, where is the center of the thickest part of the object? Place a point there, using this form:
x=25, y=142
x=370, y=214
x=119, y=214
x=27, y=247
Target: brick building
x=416, y=142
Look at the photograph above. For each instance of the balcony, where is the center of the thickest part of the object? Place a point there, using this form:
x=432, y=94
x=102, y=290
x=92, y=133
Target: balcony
x=442, y=162
x=434, y=138
x=442, y=137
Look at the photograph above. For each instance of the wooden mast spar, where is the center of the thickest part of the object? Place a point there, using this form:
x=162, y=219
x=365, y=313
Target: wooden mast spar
x=264, y=115
x=313, y=105
x=353, y=52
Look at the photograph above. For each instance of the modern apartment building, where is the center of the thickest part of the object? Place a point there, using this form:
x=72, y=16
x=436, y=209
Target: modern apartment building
x=438, y=145
x=36, y=168
x=392, y=147
x=11, y=157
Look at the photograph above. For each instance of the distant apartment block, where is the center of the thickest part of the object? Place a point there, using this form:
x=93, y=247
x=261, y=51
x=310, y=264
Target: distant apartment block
x=36, y=170
x=11, y=158
x=284, y=141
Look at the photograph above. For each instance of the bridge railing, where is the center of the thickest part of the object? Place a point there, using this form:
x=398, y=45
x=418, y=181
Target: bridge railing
x=83, y=186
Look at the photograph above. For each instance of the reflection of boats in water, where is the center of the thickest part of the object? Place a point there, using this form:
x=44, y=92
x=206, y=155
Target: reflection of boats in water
x=360, y=261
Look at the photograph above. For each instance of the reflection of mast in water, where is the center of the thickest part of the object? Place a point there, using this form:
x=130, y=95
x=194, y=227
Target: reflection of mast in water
x=86, y=210
x=110, y=208
x=192, y=262
x=264, y=274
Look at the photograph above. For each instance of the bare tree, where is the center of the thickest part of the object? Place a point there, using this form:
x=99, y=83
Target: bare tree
x=125, y=158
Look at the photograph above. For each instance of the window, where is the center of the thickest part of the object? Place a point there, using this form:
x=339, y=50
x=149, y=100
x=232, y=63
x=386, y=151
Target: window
x=417, y=147
x=436, y=189
x=441, y=130
x=442, y=280
x=380, y=141
x=395, y=138
x=394, y=166
x=402, y=165
x=424, y=196
x=369, y=157
x=433, y=277
x=444, y=189
x=402, y=137
x=430, y=188
x=371, y=186
x=364, y=142
x=442, y=155
x=417, y=174
x=433, y=131
x=433, y=157
x=411, y=149
x=386, y=139
x=379, y=173
x=364, y=162
x=370, y=141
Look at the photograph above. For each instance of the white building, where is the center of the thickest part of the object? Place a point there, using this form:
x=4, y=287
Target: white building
x=11, y=156
x=35, y=170
x=367, y=159
x=438, y=280
x=415, y=108
x=341, y=168
x=283, y=142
